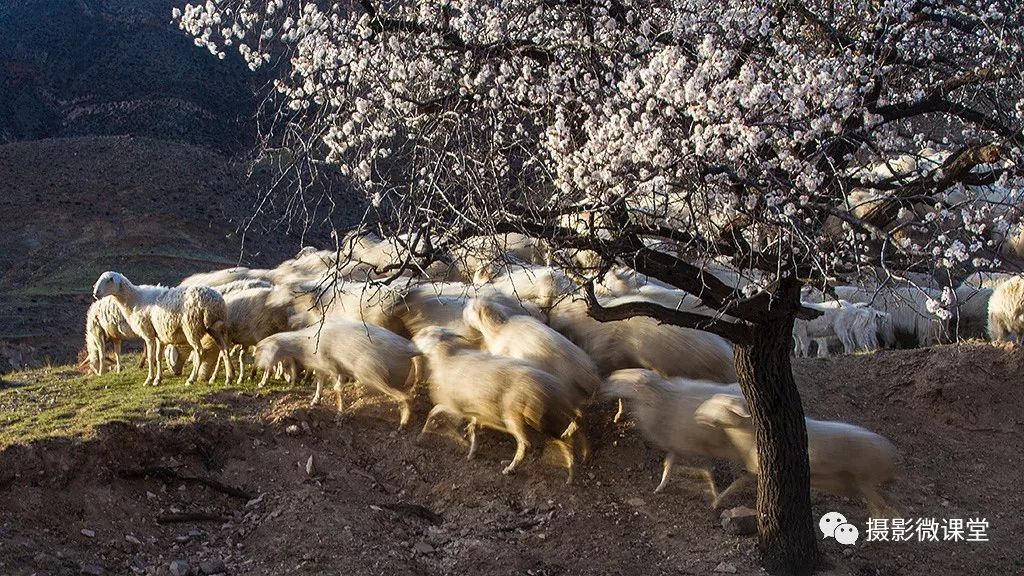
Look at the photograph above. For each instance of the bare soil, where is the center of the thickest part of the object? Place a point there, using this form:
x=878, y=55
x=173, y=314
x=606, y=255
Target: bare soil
x=378, y=502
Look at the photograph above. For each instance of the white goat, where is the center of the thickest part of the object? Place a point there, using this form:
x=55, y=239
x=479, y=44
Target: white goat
x=846, y=460
x=171, y=316
x=855, y=325
x=907, y=307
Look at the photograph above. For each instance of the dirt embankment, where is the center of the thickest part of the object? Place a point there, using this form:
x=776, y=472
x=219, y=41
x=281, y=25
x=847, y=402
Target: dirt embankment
x=376, y=502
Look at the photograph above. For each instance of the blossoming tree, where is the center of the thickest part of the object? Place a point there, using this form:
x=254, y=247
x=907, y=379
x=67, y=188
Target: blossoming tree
x=797, y=141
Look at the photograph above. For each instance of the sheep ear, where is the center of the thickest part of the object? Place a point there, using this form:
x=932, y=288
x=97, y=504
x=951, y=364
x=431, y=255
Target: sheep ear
x=739, y=409
x=733, y=404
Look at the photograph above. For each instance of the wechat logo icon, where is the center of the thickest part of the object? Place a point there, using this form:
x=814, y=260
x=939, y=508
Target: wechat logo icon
x=834, y=525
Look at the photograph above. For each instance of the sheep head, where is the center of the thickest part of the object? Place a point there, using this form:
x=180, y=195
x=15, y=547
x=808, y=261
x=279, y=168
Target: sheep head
x=483, y=313
x=108, y=284
x=723, y=410
x=631, y=383
x=434, y=339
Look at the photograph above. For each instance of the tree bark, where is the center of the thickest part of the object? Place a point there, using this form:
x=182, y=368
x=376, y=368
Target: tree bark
x=787, y=539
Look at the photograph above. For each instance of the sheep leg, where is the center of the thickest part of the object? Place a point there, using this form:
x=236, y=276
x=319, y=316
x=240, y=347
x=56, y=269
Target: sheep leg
x=102, y=354
x=149, y=362
x=822, y=347
x=514, y=424
x=401, y=398
x=319, y=389
x=471, y=432
x=666, y=469
x=877, y=505
x=620, y=413
x=216, y=368
x=225, y=351
x=196, y=356
x=253, y=371
x=574, y=432
x=565, y=447
x=117, y=356
x=736, y=485
x=241, y=365
x=157, y=363
x=337, y=392
x=266, y=378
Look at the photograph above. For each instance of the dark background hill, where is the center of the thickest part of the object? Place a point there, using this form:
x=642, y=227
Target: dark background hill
x=122, y=146
x=107, y=67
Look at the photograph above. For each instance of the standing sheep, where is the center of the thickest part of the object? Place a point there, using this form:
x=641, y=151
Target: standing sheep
x=1006, y=311
x=529, y=339
x=526, y=338
x=347, y=350
x=105, y=322
x=642, y=342
x=505, y=394
x=251, y=318
x=172, y=316
x=846, y=460
x=664, y=410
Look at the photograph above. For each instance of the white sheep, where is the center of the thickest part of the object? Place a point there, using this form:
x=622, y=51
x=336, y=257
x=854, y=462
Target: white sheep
x=541, y=285
x=225, y=276
x=252, y=316
x=527, y=338
x=642, y=342
x=105, y=322
x=846, y=460
x=497, y=392
x=347, y=350
x=1006, y=311
x=343, y=299
x=664, y=410
x=172, y=316
x=477, y=252
x=972, y=310
x=443, y=304
x=244, y=284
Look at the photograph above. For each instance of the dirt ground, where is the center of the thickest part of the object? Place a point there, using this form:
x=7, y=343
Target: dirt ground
x=377, y=502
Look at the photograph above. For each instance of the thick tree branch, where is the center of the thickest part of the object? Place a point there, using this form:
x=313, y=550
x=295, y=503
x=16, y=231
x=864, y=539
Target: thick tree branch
x=952, y=171
x=731, y=331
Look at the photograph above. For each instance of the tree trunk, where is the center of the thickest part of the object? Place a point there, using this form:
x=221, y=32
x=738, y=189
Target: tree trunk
x=787, y=538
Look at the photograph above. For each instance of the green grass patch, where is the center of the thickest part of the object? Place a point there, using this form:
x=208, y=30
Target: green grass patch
x=60, y=401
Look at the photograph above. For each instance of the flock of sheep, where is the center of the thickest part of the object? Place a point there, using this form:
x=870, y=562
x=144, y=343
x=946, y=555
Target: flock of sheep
x=501, y=339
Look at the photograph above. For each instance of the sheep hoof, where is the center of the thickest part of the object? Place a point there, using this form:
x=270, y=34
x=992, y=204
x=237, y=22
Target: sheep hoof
x=508, y=470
